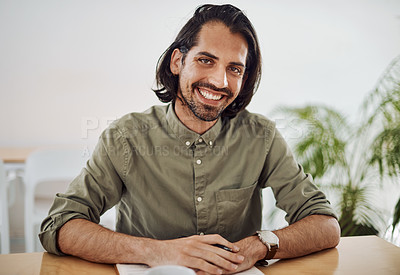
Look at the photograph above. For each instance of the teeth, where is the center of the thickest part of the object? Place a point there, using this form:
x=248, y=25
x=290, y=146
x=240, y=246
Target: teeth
x=209, y=95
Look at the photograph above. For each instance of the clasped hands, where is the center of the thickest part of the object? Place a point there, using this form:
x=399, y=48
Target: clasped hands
x=201, y=254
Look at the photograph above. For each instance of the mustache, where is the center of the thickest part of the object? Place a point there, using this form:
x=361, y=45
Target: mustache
x=201, y=84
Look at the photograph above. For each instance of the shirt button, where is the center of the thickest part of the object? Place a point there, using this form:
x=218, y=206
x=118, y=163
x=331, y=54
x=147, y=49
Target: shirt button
x=187, y=143
x=200, y=140
x=199, y=199
x=211, y=143
x=201, y=233
x=198, y=161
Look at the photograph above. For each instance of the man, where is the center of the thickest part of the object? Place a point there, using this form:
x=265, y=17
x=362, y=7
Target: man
x=188, y=176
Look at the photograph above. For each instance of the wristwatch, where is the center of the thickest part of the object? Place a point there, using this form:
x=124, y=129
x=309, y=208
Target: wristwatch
x=271, y=241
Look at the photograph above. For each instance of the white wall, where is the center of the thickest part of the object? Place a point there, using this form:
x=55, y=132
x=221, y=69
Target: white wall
x=62, y=62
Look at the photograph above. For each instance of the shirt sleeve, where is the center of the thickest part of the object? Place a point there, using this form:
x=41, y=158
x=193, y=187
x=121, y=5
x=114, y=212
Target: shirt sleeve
x=95, y=190
x=294, y=190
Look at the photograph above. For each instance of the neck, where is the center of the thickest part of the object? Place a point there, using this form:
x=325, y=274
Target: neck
x=192, y=122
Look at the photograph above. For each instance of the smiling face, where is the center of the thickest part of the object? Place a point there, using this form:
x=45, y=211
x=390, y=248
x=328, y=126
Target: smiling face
x=211, y=75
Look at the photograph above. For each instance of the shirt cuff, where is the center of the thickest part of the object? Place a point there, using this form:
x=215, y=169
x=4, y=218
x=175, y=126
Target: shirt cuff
x=49, y=234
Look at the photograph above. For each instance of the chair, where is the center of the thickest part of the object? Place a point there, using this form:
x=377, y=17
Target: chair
x=47, y=172
x=4, y=224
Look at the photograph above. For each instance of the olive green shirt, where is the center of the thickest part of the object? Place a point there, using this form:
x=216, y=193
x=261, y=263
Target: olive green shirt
x=168, y=181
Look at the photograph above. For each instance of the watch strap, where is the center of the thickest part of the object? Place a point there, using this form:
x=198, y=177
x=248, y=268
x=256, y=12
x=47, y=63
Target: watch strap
x=271, y=251
x=271, y=248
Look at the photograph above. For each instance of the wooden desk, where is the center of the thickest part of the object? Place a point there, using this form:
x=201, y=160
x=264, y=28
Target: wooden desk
x=354, y=255
x=15, y=154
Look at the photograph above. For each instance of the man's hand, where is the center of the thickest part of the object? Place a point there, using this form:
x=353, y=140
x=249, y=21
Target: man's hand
x=252, y=249
x=198, y=253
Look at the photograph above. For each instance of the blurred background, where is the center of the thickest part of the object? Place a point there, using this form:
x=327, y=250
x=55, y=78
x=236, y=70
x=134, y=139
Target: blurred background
x=69, y=68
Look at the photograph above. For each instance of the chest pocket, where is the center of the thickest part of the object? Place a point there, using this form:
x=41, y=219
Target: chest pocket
x=239, y=212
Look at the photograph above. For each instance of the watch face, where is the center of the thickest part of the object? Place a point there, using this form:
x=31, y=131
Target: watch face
x=269, y=237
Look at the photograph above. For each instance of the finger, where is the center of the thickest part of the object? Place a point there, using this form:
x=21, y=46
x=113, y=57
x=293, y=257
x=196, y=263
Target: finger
x=230, y=256
x=203, y=266
x=218, y=239
x=205, y=253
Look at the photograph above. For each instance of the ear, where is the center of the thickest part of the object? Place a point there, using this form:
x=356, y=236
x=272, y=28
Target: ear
x=175, y=64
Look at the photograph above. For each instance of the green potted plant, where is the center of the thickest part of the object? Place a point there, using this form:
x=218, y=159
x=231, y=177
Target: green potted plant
x=351, y=162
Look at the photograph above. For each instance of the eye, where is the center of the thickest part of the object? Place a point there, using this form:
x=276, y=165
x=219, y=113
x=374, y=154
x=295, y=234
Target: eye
x=236, y=70
x=205, y=61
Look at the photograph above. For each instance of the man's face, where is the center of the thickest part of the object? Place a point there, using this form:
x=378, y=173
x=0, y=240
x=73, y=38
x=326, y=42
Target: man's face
x=212, y=73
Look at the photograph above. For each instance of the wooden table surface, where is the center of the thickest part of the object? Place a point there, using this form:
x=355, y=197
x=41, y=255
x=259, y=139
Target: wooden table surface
x=354, y=255
x=15, y=154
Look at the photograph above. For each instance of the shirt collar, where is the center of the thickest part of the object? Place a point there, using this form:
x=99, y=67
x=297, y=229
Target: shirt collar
x=187, y=136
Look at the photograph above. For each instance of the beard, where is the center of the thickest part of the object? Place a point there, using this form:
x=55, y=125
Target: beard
x=203, y=111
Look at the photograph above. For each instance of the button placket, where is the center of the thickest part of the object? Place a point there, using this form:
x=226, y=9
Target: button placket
x=199, y=186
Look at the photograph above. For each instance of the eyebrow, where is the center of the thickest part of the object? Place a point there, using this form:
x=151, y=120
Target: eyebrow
x=214, y=57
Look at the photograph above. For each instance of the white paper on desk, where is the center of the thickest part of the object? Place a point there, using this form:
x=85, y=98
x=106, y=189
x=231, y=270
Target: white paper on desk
x=131, y=269
x=252, y=271
x=137, y=269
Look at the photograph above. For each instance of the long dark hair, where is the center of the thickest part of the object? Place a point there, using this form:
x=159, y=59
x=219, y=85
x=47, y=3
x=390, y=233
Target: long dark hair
x=237, y=22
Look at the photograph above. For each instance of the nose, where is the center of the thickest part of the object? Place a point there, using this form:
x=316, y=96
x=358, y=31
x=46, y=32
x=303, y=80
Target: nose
x=219, y=77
